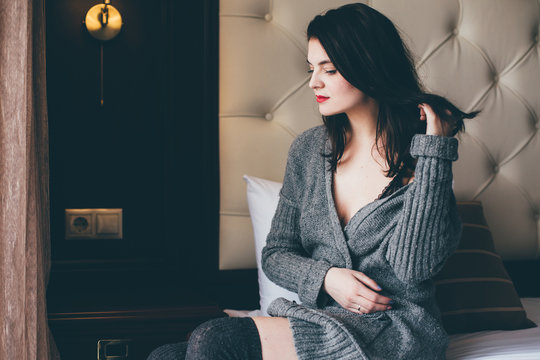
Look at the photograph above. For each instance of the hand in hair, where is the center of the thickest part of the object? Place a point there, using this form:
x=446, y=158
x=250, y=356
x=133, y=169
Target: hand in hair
x=436, y=126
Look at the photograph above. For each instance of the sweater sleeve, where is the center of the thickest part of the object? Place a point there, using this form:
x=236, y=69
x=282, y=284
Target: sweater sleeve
x=284, y=259
x=429, y=228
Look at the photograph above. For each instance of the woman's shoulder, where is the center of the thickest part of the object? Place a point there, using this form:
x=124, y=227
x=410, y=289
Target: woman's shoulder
x=310, y=140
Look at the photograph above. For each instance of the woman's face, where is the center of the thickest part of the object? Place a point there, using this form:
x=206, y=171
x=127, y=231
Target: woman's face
x=334, y=94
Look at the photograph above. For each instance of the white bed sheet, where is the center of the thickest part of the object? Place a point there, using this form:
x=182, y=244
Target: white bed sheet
x=486, y=345
x=496, y=345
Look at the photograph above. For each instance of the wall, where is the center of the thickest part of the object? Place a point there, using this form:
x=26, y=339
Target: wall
x=150, y=150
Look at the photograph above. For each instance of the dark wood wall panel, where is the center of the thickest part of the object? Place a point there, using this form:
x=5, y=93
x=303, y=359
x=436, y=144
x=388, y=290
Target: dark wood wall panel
x=150, y=150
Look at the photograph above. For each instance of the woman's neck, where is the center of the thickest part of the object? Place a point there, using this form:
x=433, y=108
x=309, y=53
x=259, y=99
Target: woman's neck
x=363, y=129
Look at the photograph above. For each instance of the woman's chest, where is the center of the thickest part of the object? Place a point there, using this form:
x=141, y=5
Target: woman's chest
x=320, y=228
x=353, y=189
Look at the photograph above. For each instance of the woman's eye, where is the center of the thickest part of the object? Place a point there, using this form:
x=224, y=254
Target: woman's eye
x=331, y=72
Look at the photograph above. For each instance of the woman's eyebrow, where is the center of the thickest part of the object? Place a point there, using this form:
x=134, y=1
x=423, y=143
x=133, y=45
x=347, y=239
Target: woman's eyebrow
x=320, y=63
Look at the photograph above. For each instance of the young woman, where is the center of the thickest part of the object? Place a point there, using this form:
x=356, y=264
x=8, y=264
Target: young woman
x=366, y=216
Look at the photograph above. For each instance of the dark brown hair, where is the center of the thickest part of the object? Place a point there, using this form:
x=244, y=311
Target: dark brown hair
x=367, y=50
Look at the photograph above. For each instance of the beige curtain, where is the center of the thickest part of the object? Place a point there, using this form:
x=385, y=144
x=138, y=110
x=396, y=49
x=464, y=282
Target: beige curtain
x=24, y=183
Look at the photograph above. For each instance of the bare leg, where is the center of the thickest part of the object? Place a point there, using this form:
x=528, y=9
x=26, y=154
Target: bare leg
x=276, y=338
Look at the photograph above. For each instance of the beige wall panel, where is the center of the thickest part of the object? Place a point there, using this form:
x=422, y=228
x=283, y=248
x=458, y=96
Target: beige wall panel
x=506, y=31
x=473, y=159
x=524, y=79
x=294, y=16
x=238, y=252
x=460, y=72
x=503, y=124
x=255, y=50
x=521, y=169
x=249, y=146
x=300, y=111
x=503, y=203
x=442, y=20
x=257, y=8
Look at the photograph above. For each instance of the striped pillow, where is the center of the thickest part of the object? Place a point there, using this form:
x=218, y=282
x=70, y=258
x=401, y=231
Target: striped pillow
x=474, y=291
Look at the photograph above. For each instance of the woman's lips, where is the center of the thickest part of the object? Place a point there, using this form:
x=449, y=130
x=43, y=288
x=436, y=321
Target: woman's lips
x=321, y=98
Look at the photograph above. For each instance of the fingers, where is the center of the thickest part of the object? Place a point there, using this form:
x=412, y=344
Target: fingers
x=353, y=290
x=367, y=293
x=365, y=306
x=366, y=297
x=361, y=305
x=422, y=113
x=434, y=125
x=373, y=297
x=366, y=280
x=426, y=112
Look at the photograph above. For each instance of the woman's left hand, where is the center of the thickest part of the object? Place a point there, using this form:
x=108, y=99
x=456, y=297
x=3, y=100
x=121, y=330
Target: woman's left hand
x=435, y=126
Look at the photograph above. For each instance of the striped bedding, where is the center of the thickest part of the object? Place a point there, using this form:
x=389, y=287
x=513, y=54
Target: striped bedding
x=499, y=344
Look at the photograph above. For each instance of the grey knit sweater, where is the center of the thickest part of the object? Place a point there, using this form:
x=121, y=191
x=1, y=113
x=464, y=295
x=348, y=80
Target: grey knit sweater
x=400, y=241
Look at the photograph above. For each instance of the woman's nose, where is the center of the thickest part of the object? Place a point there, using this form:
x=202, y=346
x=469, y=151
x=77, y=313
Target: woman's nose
x=315, y=82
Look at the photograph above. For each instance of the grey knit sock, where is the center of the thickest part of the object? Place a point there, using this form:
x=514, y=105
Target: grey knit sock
x=218, y=339
x=169, y=352
x=225, y=339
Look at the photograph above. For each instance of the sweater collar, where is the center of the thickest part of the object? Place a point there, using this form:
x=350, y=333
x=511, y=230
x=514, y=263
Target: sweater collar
x=341, y=234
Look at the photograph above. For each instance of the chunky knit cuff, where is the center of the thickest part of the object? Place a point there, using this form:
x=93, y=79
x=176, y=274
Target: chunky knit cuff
x=310, y=289
x=443, y=147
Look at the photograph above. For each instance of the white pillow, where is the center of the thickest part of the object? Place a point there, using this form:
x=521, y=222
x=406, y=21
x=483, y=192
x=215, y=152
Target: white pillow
x=263, y=197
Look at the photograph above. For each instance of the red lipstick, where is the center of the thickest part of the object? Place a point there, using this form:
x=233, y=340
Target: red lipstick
x=321, y=98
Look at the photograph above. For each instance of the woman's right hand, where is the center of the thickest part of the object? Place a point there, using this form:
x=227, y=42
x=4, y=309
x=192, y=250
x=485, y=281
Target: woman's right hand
x=355, y=291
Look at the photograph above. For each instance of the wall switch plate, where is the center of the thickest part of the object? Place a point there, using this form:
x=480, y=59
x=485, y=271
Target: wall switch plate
x=93, y=224
x=114, y=349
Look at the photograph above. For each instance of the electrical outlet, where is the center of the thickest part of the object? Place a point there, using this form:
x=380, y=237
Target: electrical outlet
x=93, y=224
x=79, y=224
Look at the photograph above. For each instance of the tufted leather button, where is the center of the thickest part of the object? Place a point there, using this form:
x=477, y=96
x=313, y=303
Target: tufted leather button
x=268, y=17
x=455, y=32
x=496, y=169
x=268, y=116
x=495, y=78
x=536, y=215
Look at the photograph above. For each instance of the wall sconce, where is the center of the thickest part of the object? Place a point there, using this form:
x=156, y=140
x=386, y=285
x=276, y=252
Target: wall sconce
x=103, y=22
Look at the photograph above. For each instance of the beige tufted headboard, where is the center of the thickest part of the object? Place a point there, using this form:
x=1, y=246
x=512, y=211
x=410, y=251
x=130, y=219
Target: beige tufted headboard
x=481, y=54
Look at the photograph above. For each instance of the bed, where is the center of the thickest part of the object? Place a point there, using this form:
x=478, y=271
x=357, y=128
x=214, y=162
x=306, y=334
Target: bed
x=493, y=345
x=487, y=345
x=478, y=53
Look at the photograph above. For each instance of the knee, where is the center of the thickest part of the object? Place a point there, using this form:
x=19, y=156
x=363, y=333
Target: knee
x=207, y=336
x=169, y=352
x=157, y=354
x=225, y=338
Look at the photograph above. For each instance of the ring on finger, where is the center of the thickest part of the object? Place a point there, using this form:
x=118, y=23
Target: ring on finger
x=360, y=308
